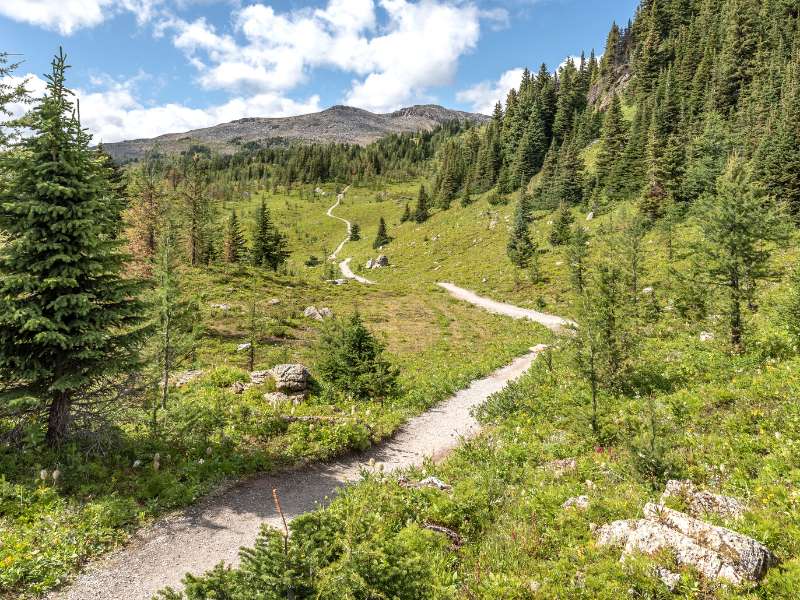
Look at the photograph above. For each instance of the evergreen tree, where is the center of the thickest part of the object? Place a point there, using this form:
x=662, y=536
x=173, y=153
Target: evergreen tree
x=421, y=210
x=198, y=211
x=739, y=226
x=355, y=232
x=69, y=321
x=578, y=254
x=706, y=159
x=612, y=145
x=10, y=93
x=351, y=361
x=382, y=237
x=406, y=214
x=147, y=210
x=569, y=179
x=235, y=246
x=269, y=245
x=560, y=233
x=531, y=150
x=520, y=247
x=176, y=323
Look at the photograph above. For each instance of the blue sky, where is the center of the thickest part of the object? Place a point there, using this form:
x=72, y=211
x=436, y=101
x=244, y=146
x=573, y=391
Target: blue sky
x=146, y=67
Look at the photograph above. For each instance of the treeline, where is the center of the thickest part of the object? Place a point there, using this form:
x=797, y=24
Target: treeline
x=394, y=157
x=686, y=84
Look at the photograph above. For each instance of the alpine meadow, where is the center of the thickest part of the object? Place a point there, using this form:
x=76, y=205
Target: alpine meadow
x=544, y=344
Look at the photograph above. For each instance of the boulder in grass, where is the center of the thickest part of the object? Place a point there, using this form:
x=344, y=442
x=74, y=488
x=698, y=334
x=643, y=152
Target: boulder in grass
x=700, y=503
x=381, y=261
x=312, y=312
x=291, y=378
x=259, y=377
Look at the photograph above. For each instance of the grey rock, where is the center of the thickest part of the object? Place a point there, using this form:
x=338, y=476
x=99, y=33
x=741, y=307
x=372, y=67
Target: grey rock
x=579, y=502
x=291, y=378
x=277, y=399
x=380, y=262
x=702, y=502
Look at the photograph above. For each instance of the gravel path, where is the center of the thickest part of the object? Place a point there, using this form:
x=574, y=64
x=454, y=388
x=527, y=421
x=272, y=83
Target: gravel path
x=553, y=323
x=214, y=530
x=344, y=266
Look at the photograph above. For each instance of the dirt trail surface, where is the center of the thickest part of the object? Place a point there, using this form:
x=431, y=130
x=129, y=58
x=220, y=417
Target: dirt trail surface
x=344, y=266
x=552, y=322
x=214, y=530
x=339, y=199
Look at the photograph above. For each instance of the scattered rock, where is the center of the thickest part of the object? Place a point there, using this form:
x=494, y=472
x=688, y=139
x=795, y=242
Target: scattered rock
x=243, y=347
x=259, y=377
x=706, y=336
x=715, y=552
x=240, y=388
x=274, y=301
x=562, y=466
x=579, y=502
x=668, y=578
x=590, y=216
x=647, y=291
x=222, y=307
x=434, y=482
x=320, y=314
x=291, y=378
x=381, y=262
x=700, y=503
x=277, y=399
x=370, y=263
x=187, y=377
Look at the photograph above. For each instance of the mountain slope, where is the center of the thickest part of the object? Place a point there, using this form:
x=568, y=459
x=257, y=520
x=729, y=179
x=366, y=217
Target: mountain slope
x=339, y=124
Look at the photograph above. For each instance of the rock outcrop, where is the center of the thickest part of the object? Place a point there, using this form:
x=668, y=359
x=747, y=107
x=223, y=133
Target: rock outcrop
x=291, y=378
x=318, y=314
x=715, y=552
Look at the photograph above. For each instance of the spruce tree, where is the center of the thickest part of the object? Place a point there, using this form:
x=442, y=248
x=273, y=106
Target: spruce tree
x=406, y=214
x=560, y=233
x=531, y=151
x=520, y=247
x=740, y=225
x=269, y=245
x=578, y=254
x=382, y=237
x=10, y=93
x=421, y=210
x=198, y=211
x=70, y=323
x=355, y=232
x=352, y=362
x=235, y=246
x=569, y=178
x=612, y=144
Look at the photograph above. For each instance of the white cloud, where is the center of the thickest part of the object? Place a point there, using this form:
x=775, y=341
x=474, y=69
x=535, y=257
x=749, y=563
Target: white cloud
x=67, y=16
x=115, y=113
x=483, y=96
x=418, y=47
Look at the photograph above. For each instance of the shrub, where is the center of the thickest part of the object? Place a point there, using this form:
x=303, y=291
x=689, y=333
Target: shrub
x=352, y=363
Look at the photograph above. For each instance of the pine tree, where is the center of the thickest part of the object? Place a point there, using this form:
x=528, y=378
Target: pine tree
x=560, y=233
x=147, y=210
x=176, y=321
x=269, y=245
x=406, y=214
x=235, y=246
x=421, y=210
x=351, y=361
x=613, y=140
x=198, y=211
x=531, y=150
x=69, y=322
x=355, y=232
x=382, y=237
x=577, y=254
x=520, y=247
x=739, y=225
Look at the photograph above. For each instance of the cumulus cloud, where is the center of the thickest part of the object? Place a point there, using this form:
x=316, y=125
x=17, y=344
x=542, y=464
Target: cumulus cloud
x=417, y=47
x=115, y=113
x=483, y=96
x=67, y=16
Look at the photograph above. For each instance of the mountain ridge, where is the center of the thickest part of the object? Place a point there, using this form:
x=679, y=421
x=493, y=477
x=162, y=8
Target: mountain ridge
x=336, y=124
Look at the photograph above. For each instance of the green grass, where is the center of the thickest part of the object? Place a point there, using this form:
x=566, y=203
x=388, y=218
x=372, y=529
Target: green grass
x=208, y=434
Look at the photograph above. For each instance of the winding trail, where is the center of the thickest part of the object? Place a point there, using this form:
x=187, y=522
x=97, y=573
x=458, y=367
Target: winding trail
x=197, y=539
x=344, y=266
x=552, y=322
